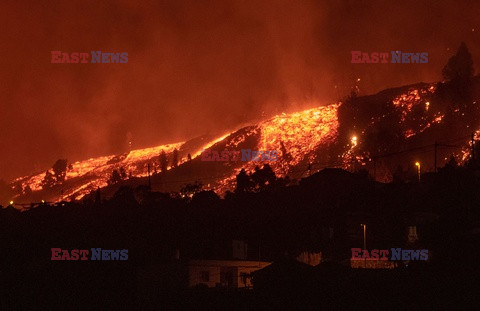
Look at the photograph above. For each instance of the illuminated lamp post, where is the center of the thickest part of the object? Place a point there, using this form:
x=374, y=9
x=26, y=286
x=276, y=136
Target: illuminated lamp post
x=364, y=235
x=364, y=242
x=417, y=164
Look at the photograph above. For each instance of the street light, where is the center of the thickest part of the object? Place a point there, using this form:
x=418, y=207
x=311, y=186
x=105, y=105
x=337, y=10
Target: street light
x=364, y=235
x=417, y=164
x=364, y=243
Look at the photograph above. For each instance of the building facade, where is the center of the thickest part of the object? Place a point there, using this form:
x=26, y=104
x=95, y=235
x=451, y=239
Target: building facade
x=223, y=273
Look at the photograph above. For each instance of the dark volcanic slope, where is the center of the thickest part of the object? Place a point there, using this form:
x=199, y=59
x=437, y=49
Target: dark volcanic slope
x=378, y=133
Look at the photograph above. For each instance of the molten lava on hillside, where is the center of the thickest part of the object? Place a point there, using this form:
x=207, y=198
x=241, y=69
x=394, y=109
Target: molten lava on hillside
x=354, y=134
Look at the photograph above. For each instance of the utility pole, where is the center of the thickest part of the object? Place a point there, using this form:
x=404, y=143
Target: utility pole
x=435, y=160
x=364, y=236
x=149, y=181
x=364, y=242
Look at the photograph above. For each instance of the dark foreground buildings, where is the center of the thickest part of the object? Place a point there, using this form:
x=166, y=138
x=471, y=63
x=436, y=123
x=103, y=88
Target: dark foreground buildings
x=284, y=248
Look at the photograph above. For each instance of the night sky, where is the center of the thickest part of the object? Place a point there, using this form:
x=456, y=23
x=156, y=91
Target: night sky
x=198, y=67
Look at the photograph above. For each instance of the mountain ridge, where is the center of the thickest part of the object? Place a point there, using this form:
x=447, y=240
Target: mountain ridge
x=347, y=134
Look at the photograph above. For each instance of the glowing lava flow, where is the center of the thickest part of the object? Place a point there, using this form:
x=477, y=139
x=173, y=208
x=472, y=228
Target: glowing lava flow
x=95, y=172
x=82, y=177
x=295, y=136
x=300, y=138
x=406, y=104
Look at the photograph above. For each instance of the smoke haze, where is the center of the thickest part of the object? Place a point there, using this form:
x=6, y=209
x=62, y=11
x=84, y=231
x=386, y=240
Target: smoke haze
x=197, y=67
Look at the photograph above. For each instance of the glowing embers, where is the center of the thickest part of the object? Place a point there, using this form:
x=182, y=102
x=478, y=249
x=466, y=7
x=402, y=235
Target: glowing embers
x=353, y=141
x=416, y=121
x=296, y=136
x=466, y=152
x=405, y=103
x=350, y=158
x=409, y=133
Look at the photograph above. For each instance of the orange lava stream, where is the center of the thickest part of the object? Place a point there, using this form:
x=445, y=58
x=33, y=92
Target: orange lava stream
x=98, y=170
x=296, y=137
x=300, y=133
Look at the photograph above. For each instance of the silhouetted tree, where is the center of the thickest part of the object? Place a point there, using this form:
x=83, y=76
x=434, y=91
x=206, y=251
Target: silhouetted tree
x=452, y=162
x=263, y=178
x=175, y=158
x=123, y=173
x=189, y=190
x=260, y=180
x=60, y=170
x=163, y=161
x=244, y=183
x=459, y=66
x=456, y=93
x=48, y=181
x=27, y=190
x=114, y=178
x=189, y=156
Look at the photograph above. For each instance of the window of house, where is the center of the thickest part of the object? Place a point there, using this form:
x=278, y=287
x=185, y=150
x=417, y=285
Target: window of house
x=226, y=278
x=244, y=277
